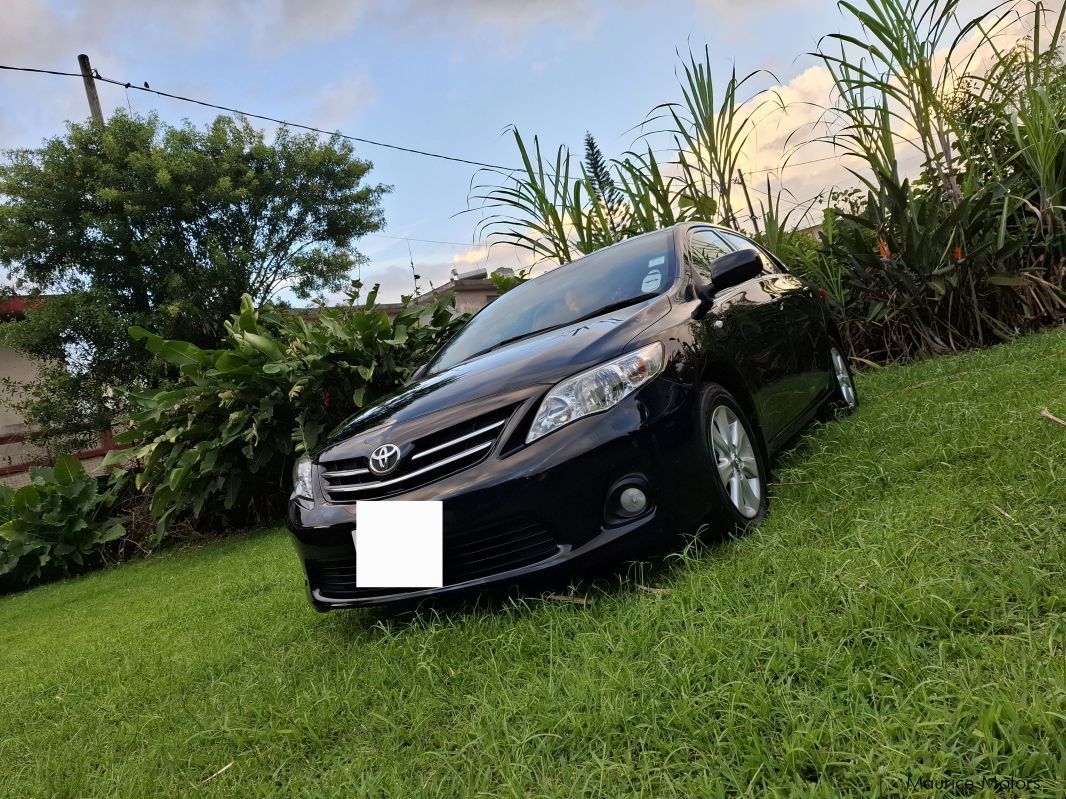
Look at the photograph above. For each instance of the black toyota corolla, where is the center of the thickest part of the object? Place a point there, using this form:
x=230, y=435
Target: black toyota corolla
x=630, y=395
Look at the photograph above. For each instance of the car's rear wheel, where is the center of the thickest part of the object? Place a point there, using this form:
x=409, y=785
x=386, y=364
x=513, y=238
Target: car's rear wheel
x=845, y=398
x=739, y=471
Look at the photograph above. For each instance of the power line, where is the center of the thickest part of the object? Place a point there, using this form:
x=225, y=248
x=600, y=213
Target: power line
x=788, y=164
x=42, y=71
x=128, y=86
x=428, y=241
x=145, y=88
x=781, y=199
x=834, y=157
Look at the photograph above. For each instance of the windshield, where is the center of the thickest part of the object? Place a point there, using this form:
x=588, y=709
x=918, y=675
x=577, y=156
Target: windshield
x=603, y=281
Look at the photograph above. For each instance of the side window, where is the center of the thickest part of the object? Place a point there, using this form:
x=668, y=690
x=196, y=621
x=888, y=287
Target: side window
x=705, y=246
x=771, y=266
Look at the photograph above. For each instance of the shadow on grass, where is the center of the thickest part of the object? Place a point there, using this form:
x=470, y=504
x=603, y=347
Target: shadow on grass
x=582, y=586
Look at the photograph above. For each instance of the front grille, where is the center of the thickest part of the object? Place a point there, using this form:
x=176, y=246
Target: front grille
x=430, y=458
x=335, y=579
x=477, y=552
x=495, y=548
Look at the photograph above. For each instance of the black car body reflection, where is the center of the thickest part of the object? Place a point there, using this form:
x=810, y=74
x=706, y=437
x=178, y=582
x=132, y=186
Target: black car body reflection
x=735, y=331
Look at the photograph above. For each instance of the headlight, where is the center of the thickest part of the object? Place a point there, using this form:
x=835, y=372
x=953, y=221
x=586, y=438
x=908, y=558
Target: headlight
x=301, y=479
x=596, y=390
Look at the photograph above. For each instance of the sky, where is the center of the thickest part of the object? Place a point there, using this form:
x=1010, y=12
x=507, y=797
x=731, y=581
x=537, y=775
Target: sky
x=447, y=77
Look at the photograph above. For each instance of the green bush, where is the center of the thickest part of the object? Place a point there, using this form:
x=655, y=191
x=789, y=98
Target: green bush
x=52, y=525
x=219, y=446
x=939, y=280
x=504, y=282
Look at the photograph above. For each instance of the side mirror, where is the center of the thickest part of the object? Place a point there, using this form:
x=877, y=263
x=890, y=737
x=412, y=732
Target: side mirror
x=418, y=373
x=731, y=270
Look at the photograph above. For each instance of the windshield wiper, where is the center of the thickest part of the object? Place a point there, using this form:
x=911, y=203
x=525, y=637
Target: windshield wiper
x=614, y=306
x=519, y=337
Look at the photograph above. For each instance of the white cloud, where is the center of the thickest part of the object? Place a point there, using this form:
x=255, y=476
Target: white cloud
x=786, y=147
x=475, y=255
x=754, y=5
x=338, y=104
x=27, y=23
x=751, y=13
x=40, y=33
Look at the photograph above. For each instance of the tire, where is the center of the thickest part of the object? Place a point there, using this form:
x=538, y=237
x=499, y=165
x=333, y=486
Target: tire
x=845, y=398
x=737, y=466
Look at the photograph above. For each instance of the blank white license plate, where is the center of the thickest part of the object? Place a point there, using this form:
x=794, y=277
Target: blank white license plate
x=399, y=544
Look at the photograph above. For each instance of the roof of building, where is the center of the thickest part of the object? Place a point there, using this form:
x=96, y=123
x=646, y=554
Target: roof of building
x=13, y=308
x=475, y=280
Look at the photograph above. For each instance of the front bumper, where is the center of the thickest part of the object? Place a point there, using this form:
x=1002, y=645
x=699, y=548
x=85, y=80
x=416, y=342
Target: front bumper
x=536, y=509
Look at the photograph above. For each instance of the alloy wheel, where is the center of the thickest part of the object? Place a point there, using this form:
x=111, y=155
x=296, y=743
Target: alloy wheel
x=843, y=376
x=737, y=466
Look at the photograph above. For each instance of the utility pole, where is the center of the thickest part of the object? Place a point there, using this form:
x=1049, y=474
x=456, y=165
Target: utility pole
x=90, y=88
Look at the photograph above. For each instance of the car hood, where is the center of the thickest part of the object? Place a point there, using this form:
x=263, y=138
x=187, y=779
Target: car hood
x=544, y=358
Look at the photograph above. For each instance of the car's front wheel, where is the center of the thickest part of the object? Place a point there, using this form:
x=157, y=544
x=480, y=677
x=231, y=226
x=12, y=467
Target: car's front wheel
x=738, y=463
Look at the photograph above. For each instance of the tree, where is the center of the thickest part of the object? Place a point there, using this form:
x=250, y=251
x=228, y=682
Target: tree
x=140, y=223
x=82, y=349
x=603, y=189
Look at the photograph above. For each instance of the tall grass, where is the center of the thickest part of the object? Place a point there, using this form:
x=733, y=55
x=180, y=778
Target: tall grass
x=954, y=266
x=1027, y=86
x=907, y=61
x=969, y=251
x=550, y=208
x=709, y=129
x=537, y=205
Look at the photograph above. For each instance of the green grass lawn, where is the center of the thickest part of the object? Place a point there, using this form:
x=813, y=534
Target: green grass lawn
x=901, y=615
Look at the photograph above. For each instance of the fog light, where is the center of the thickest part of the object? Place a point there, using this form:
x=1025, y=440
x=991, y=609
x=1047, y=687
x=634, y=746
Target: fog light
x=633, y=501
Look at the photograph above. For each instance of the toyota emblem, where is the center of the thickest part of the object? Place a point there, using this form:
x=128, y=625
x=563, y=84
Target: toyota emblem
x=384, y=459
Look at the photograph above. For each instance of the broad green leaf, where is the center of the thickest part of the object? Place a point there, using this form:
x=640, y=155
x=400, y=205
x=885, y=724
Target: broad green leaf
x=116, y=457
x=27, y=499
x=264, y=345
x=68, y=470
x=231, y=362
